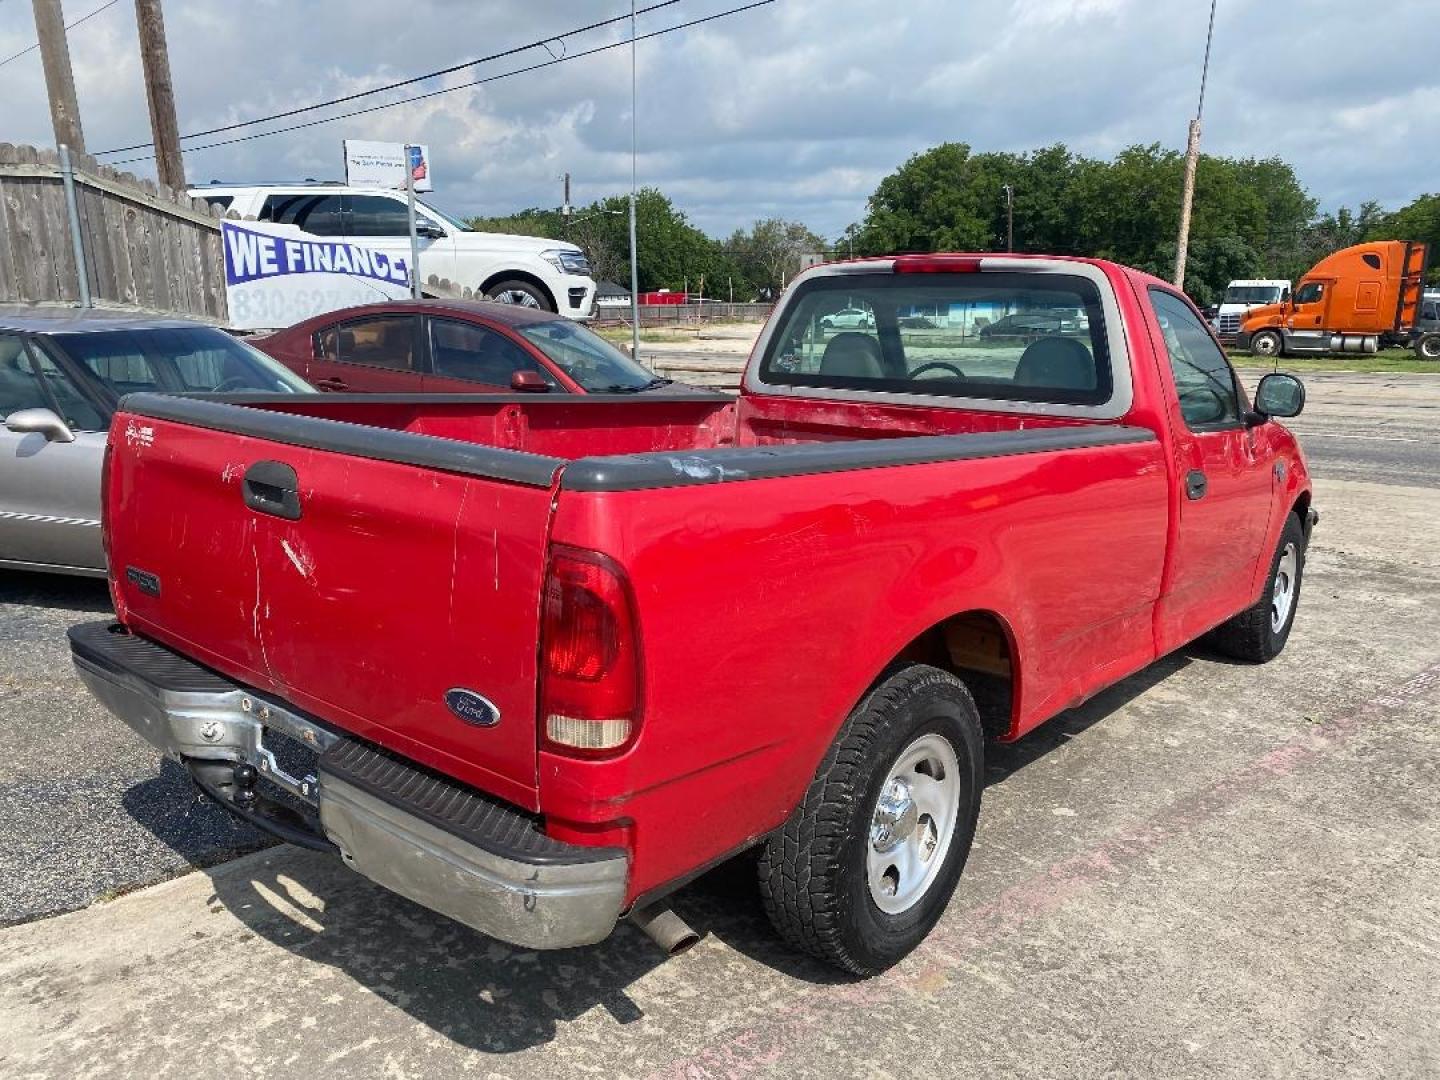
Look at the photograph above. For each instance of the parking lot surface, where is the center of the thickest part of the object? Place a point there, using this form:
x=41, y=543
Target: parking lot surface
x=1211, y=869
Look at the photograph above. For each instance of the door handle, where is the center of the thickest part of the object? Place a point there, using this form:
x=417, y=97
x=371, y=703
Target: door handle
x=271, y=487
x=332, y=384
x=1195, y=484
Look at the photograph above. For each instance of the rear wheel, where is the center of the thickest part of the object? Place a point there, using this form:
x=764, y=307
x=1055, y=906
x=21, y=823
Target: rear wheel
x=1267, y=343
x=1259, y=633
x=519, y=293
x=1428, y=347
x=865, y=867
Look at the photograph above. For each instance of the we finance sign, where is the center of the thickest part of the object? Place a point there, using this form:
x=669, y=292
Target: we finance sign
x=275, y=275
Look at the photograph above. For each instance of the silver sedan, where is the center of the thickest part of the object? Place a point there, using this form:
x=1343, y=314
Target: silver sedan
x=61, y=376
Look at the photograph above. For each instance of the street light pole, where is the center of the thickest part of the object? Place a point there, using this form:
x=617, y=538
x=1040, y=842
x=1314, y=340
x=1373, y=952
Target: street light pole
x=634, y=265
x=1009, y=218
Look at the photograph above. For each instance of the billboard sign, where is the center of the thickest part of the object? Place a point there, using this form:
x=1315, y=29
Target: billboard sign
x=382, y=164
x=276, y=275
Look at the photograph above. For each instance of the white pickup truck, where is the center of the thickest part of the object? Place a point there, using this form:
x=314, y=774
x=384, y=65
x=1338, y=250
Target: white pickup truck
x=527, y=270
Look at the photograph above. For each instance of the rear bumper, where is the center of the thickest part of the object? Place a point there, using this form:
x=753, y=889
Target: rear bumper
x=445, y=846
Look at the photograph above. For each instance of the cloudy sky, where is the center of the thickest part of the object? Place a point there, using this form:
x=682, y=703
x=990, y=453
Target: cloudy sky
x=794, y=109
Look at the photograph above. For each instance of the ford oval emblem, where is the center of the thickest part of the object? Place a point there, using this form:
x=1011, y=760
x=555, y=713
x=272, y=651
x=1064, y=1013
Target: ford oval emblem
x=472, y=707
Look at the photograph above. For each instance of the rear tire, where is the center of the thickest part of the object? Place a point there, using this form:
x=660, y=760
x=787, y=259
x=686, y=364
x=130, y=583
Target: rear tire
x=520, y=293
x=1259, y=633
x=887, y=823
x=1267, y=343
x=1428, y=347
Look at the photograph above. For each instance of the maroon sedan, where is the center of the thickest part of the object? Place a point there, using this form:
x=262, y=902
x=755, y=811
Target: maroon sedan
x=455, y=346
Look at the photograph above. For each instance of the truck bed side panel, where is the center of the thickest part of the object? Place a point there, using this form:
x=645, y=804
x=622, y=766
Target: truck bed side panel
x=768, y=606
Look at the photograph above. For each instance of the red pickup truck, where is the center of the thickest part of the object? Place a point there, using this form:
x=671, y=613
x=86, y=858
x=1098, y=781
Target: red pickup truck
x=536, y=662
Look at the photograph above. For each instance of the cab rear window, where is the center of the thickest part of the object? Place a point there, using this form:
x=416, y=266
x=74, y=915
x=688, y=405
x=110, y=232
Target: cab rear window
x=1008, y=336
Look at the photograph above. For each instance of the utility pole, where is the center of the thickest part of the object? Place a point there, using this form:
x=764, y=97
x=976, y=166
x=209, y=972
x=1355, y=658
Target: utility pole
x=1009, y=218
x=160, y=93
x=1192, y=158
x=59, y=79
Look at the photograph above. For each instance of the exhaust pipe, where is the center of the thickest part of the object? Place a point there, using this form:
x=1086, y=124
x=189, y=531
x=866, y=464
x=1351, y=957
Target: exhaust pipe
x=665, y=928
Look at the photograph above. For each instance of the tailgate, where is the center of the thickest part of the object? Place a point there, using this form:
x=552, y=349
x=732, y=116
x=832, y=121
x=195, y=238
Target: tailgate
x=361, y=574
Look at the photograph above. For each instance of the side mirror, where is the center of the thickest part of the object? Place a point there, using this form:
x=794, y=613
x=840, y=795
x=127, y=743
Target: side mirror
x=39, y=421
x=529, y=382
x=1279, y=394
x=429, y=230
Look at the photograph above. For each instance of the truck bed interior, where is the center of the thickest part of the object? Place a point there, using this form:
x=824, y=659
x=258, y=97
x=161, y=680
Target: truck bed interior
x=572, y=427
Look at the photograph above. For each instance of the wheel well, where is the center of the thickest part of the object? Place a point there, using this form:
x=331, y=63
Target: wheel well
x=1301, y=507
x=518, y=275
x=974, y=646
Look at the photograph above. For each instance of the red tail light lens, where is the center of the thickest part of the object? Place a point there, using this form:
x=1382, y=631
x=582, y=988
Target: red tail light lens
x=589, y=655
x=937, y=264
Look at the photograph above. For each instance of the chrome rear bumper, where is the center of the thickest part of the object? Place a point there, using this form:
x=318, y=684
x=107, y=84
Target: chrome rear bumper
x=532, y=891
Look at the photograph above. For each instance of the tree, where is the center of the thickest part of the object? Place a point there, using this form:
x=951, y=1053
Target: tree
x=671, y=253
x=1419, y=220
x=768, y=256
x=1249, y=214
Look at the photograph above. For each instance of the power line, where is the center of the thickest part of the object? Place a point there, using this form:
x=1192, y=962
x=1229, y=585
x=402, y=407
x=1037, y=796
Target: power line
x=77, y=22
x=542, y=43
x=463, y=86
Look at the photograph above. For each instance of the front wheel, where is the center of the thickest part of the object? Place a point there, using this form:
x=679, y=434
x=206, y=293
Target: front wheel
x=1259, y=632
x=865, y=867
x=1267, y=343
x=1428, y=347
x=519, y=293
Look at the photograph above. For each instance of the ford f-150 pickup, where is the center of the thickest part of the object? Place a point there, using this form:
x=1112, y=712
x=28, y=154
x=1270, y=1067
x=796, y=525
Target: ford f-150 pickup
x=536, y=662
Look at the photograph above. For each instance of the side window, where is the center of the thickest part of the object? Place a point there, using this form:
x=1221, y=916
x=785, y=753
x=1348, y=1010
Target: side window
x=327, y=343
x=74, y=407
x=315, y=213
x=1204, y=379
x=460, y=350
x=19, y=386
x=1310, y=292
x=386, y=341
x=375, y=215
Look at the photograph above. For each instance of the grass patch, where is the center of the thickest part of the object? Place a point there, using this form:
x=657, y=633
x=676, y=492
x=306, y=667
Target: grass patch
x=1383, y=361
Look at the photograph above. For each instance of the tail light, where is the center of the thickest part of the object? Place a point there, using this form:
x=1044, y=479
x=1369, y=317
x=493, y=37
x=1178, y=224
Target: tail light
x=589, y=656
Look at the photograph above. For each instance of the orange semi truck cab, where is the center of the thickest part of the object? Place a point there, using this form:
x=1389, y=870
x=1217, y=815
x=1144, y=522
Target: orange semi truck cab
x=1354, y=301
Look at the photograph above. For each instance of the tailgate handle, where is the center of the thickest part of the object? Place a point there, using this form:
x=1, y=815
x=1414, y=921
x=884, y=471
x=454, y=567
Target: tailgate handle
x=272, y=487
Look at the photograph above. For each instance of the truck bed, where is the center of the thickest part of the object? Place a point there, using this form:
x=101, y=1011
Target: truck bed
x=435, y=551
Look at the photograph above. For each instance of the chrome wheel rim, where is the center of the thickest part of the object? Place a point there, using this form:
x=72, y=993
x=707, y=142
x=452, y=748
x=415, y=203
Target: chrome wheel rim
x=1282, y=594
x=1264, y=345
x=912, y=824
x=519, y=297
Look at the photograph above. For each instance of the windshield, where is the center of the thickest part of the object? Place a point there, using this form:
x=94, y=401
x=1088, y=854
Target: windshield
x=1252, y=294
x=178, y=360
x=1025, y=337
x=454, y=223
x=588, y=358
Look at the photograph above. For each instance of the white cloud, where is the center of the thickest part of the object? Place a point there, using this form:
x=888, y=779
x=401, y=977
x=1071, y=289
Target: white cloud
x=795, y=109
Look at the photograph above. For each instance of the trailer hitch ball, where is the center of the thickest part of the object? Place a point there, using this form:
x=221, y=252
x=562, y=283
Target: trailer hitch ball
x=246, y=777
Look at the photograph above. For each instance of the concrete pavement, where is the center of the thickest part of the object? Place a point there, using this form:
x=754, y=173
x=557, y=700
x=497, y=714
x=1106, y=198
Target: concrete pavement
x=1212, y=869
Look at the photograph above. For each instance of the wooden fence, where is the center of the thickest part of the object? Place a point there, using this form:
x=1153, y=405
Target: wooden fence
x=145, y=246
